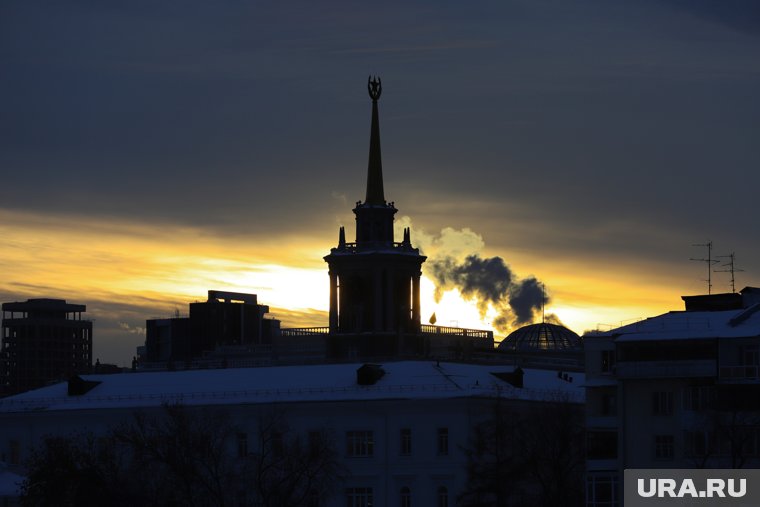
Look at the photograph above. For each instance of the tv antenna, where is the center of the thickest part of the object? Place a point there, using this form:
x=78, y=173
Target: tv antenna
x=709, y=261
x=731, y=268
x=543, y=303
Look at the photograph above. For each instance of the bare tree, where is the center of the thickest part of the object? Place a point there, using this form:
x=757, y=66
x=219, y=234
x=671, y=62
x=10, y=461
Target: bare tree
x=526, y=454
x=181, y=456
x=292, y=469
x=184, y=456
x=77, y=470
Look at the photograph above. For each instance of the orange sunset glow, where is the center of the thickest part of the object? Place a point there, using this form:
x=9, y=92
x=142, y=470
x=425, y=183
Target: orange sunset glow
x=128, y=272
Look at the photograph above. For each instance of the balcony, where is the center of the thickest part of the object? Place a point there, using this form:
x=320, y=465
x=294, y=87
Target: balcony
x=666, y=369
x=740, y=373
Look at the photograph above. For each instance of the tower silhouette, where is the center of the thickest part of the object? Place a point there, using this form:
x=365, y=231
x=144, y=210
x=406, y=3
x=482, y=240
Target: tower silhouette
x=374, y=281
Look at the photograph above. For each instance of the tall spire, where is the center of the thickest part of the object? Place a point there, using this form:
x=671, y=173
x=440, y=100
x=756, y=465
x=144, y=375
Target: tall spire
x=375, y=194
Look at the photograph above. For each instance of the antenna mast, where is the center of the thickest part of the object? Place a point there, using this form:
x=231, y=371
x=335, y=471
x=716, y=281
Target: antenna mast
x=731, y=269
x=709, y=261
x=543, y=303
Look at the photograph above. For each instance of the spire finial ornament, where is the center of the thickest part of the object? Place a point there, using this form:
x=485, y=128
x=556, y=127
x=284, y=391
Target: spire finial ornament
x=375, y=88
x=375, y=196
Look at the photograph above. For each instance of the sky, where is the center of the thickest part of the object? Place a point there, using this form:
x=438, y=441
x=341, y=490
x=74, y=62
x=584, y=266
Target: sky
x=151, y=151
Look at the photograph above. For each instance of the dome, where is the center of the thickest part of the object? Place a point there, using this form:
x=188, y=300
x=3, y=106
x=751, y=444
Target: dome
x=542, y=337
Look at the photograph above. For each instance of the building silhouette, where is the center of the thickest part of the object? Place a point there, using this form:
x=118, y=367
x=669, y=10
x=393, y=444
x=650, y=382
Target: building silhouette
x=44, y=340
x=374, y=303
x=231, y=320
x=374, y=281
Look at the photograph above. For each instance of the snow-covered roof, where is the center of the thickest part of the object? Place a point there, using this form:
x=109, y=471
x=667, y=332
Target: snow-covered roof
x=328, y=382
x=684, y=325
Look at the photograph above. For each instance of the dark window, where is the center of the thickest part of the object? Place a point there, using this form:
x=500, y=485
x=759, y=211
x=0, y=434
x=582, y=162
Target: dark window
x=359, y=497
x=698, y=442
x=608, y=362
x=406, y=442
x=242, y=445
x=277, y=444
x=663, y=447
x=698, y=397
x=662, y=403
x=443, y=497
x=360, y=443
x=15, y=452
x=602, y=490
x=601, y=445
x=406, y=497
x=443, y=441
x=609, y=404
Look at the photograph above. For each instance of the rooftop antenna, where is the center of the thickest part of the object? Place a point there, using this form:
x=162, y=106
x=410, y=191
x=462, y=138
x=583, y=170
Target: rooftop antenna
x=731, y=269
x=709, y=261
x=543, y=303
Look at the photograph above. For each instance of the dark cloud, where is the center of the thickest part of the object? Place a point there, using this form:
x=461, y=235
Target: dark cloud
x=604, y=130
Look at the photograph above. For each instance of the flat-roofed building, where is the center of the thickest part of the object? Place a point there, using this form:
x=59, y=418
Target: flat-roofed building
x=43, y=340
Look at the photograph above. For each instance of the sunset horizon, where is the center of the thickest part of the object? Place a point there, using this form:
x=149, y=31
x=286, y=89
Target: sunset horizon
x=150, y=155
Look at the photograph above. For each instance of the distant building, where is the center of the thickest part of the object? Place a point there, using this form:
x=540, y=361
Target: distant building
x=227, y=319
x=43, y=340
x=680, y=390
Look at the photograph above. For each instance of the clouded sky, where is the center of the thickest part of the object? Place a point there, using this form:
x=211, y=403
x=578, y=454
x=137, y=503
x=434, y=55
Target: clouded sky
x=150, y=151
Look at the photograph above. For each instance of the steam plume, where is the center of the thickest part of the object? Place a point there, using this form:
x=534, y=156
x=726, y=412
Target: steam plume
x=454, y=262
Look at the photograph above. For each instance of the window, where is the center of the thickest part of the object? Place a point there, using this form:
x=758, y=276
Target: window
x=443, y=497
x=602, y=489
x=601, y=444
x=316, y=443
x=242, y=445
x=406, y=497
x=698, y=397
x=406, y=442
x=662, y=403
x=443, y=441
x=359, y=497
x=15, y=452
x=608, y=362
x=277, y=445
x=609, y=404
x=360, y=443
x=750, y=355
x=698, y=443
x=314, y=499
x=663, y=447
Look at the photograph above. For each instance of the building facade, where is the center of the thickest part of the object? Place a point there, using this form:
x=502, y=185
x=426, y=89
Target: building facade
x=680, y=390
x=43, y=340
x=400, y=430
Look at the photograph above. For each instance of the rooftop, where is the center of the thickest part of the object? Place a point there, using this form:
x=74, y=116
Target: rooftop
x=682, y=325
x=331, y=382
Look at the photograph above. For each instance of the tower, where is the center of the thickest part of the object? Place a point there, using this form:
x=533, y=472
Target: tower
x=374, y=281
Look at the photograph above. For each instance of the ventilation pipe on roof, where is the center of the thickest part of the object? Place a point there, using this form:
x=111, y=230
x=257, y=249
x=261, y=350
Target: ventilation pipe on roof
x=79, y=386
x=369, y=374
x=514, y=378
